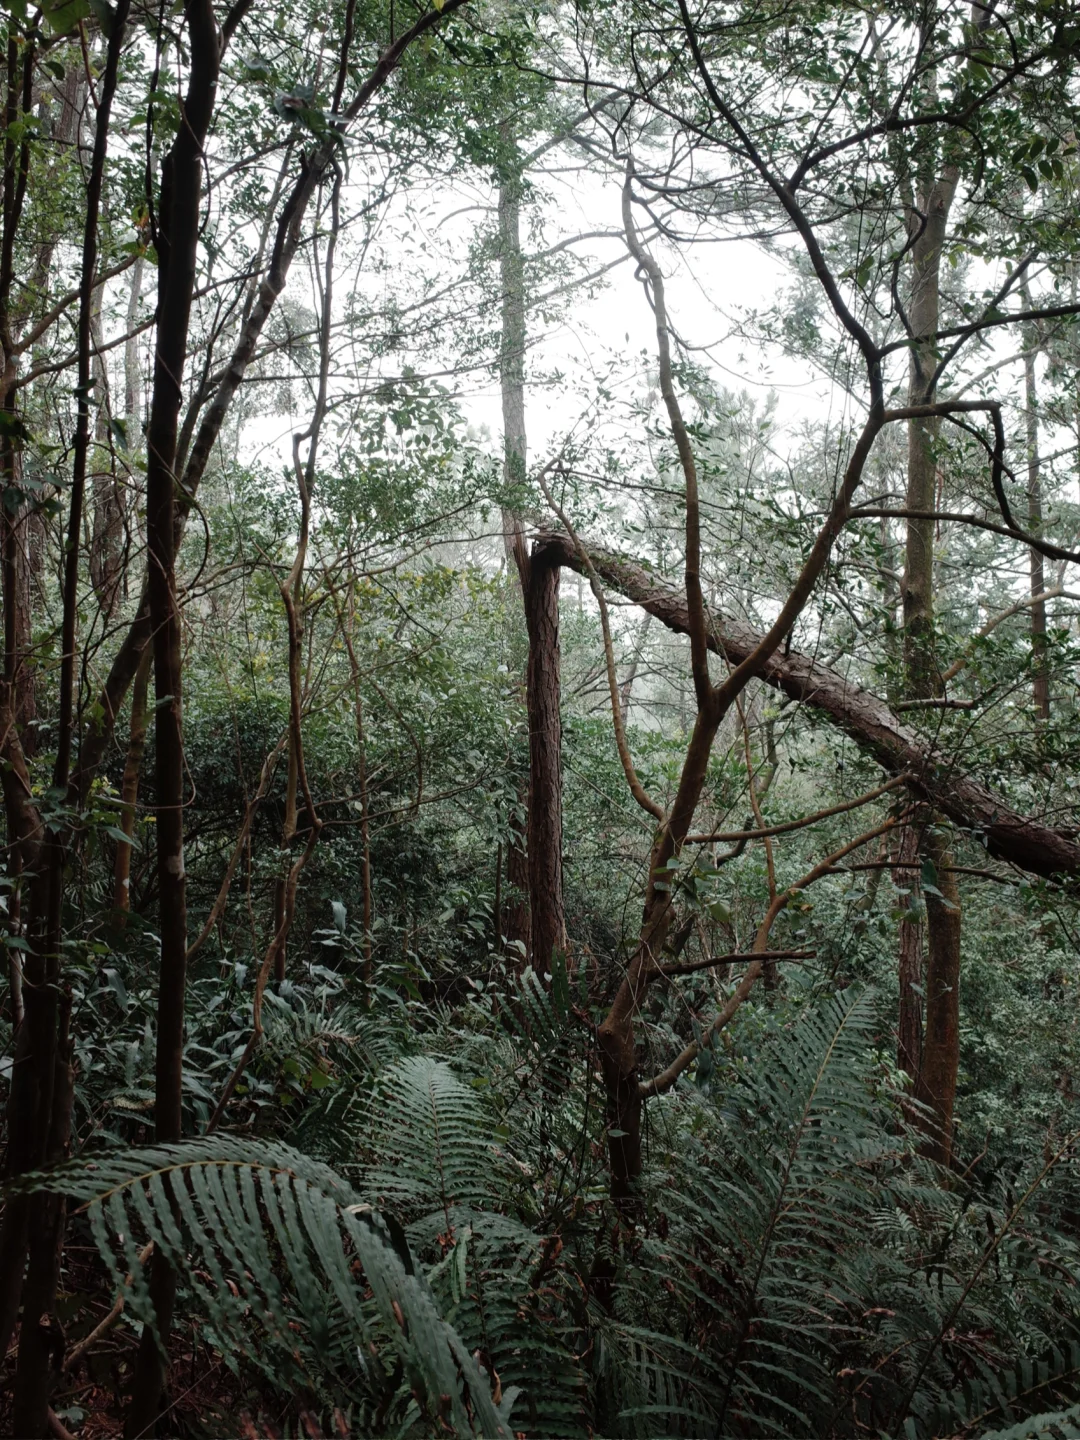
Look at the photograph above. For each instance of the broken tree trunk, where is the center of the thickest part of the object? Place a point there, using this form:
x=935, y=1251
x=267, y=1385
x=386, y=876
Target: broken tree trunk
x=867, y=719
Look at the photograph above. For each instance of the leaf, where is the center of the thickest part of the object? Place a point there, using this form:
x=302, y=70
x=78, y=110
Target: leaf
x=288, y=1269
x=65, y=16
x=117, y=986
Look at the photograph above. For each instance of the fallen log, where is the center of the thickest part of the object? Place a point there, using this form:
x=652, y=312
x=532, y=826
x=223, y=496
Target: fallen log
x=867, y=719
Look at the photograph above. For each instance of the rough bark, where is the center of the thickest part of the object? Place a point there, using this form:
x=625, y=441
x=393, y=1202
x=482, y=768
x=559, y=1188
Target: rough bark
x=516, y=926
x=928, y=223
x=15, y=526
x=107, y=523
x=867, y=719
x=909, y=1025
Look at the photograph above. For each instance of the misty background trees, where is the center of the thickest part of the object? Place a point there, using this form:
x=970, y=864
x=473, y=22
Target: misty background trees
x=538, y=718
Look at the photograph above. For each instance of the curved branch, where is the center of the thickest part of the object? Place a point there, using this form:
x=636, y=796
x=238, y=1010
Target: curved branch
x=667, y=1078
x=788, y=826
x=867, y=719
x=699, y=653
x=637, y=790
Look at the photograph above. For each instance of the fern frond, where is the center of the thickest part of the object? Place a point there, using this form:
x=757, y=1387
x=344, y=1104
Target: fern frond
x=1059, y=1425
x=279, y=1251
x=434, y=1145
x=429, y=1133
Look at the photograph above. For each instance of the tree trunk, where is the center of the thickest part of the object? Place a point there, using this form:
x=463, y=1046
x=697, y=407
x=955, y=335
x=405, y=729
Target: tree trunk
x=17, y=585
x=626, y=689
x=866, y=718
x=288, y=835
x=922, y=669
x=517, y=924
x=941, y=1046
x=909, y=1029
x=545, y=764
x=41, y=1335
x=107, y=526
x=129, y=789
x=177, y=242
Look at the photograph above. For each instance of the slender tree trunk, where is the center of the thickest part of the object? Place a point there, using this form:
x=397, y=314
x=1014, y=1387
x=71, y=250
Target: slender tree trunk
x=18, y=576
x=1039, y=657
x=928, y=222
x=129, y=788
x=288, y=835
x=41, y=1335
x=626, y=689
x=41, y=1092
x=107, y=525
x=941, y=1046
x=909, y=1029
x=518, y=927
x=177, y=243
x=545, y=764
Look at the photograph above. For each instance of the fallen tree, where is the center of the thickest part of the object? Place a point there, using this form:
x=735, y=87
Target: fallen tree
x=867, y=719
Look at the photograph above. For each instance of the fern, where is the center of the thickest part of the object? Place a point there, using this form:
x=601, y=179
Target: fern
x=807, y=1273
x=1016, y=1389
x=280, y=1253
x=1062, y=1425
x=761, y=1217
x=428, y=1131
x=440, y=1163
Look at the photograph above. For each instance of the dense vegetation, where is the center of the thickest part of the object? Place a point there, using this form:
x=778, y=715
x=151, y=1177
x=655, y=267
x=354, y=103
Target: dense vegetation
x=569, y=938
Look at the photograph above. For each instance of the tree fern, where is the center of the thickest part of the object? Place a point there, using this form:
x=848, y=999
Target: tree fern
x=289, y=1268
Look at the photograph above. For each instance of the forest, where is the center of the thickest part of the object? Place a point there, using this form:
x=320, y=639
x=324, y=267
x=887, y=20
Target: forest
x=540, y=889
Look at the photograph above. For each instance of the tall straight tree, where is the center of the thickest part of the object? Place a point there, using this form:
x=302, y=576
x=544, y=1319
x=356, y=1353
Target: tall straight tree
x=176, y=240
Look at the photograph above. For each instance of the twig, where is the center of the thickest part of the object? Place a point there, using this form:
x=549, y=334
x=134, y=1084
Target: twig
x=690, y=967
x=617, y=719
x=788, y=825
x=57, y=1426
x=667, y=1078
x=995, y=620
x=103, y=1327
x=245, y=829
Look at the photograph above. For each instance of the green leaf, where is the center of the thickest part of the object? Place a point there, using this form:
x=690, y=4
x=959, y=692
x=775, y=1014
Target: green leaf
x=64, y=17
